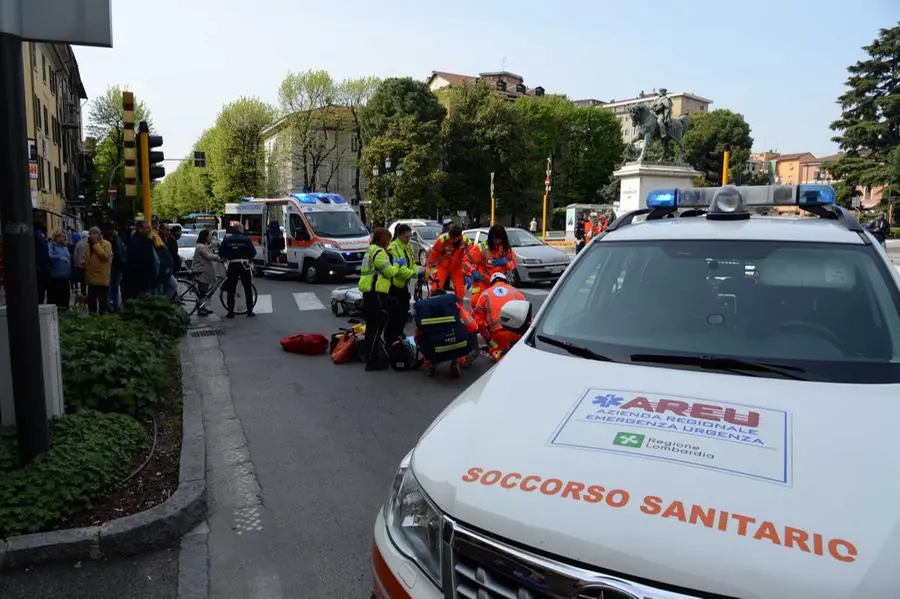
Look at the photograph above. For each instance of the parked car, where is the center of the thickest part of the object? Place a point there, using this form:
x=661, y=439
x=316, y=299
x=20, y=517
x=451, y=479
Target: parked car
x=413, y=222
x=217, y=236
x=186, y=244
x=537, y=261
x=423, y=237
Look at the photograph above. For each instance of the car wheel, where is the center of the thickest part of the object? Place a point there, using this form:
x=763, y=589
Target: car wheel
x=514, y=279
x=311, y=273
x=423, y=258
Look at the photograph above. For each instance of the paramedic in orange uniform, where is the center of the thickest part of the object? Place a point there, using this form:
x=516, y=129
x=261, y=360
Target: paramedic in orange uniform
x=487, y=315
x=447, y=261
x=601, y=225
x=492, y=256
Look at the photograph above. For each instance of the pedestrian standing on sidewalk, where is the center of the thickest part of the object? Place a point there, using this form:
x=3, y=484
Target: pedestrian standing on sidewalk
x=204, y=265
x=78, y=262
x=118, y=264
x=58, y=291
x=880, y=229
x=97, y=266
x=142, y=266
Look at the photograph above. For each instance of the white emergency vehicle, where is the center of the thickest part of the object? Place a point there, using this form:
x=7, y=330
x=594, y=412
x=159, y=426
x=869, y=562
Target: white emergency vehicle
x=315, y=235
x=720, y=423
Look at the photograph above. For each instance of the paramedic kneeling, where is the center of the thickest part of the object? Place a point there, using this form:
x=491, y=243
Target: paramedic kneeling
x=238, y=250
x=487, y=315
x=375, y=284
x=402, y=257
x=447, y=260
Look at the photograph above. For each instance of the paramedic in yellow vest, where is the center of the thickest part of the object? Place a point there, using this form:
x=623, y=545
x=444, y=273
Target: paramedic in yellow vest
x=402, y=257
x=376, y=274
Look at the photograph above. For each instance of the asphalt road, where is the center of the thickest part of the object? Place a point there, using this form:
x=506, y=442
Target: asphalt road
x=323, y=442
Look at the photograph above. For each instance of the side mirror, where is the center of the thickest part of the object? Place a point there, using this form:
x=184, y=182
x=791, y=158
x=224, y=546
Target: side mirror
x=516, y=316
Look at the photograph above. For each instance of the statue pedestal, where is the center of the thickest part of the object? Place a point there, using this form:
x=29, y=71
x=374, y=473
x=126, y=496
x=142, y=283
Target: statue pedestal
x=640, y=179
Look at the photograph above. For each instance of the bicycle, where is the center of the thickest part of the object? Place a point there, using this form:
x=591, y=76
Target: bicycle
x=189, y=297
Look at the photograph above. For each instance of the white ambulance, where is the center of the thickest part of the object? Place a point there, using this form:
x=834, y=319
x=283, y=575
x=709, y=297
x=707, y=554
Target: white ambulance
x=317, y=236
x=705, y=406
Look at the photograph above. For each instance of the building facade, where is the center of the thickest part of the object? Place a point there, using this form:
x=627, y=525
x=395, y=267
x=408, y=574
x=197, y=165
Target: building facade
x=508, y=84
x=327, y=163
x=682, y=103
x=54, y=95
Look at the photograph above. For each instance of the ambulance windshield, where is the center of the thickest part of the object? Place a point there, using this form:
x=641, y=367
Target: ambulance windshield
x=336, y=224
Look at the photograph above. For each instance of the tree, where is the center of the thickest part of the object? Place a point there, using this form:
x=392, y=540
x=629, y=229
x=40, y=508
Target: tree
x=308, y=106
x=188, y=188
x=595, y=148
x=106, y=126
x=708, y=133
x=870, y=116
x=481, y=134
x=237, y=153
x=403, y=121
x=354, y=95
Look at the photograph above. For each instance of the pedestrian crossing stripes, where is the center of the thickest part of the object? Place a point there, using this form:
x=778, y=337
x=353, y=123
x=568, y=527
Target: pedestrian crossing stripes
x=263, y=304
x=308, y=301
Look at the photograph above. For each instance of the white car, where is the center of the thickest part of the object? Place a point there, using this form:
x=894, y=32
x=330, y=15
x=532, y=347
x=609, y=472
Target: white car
x=186, y=245
x=719, y=422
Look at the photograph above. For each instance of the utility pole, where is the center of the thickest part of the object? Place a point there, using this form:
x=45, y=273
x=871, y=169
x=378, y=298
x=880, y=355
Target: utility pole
x=726, y=156
x=22, y=316
x=86, y=22
x=546, y=196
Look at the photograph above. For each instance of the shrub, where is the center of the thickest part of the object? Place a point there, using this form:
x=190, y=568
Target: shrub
x=113, y=365
x=159, y=314
x=90, y=454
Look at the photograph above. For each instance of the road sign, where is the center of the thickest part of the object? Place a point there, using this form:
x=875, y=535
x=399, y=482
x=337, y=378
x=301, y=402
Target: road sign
x=112, y=191
x=33, y=171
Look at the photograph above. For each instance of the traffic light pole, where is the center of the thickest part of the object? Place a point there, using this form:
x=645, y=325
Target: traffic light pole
x=726, y=155
x=22, y=316
x=144, y=141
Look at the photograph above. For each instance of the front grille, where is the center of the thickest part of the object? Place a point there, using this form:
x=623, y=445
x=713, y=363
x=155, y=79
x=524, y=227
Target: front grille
x=485, y=568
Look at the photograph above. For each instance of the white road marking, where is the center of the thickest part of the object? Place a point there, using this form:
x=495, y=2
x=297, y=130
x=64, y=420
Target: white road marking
x=263, y=304
x=308, y=301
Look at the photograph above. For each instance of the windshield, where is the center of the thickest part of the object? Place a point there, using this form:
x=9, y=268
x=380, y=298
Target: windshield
x=428, y=233
x=520, y=238
x=187, y=241
x=829, y=311
x=336, y=224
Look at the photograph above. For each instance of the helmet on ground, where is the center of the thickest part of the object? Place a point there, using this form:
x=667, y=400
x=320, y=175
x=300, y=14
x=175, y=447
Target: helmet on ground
x=498, y=276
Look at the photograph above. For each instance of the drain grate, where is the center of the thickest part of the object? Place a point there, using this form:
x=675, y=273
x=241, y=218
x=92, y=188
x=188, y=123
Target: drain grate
x=207, y=333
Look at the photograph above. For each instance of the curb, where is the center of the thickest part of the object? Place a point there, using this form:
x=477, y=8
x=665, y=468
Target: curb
x=156, y=528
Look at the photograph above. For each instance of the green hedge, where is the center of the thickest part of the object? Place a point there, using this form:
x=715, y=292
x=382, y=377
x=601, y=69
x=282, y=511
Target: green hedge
x=90, y=454
x=120, y=363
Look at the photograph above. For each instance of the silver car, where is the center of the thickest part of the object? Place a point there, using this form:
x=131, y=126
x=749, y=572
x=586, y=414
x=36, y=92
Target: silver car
x=186, y=245
x=423, y=237
x=537, y=262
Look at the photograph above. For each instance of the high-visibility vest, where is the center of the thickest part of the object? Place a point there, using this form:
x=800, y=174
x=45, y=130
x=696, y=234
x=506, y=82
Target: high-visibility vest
x=376, y=270
x=401, y=251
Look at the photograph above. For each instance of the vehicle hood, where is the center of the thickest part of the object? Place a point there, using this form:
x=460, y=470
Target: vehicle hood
x=545, y=253
x=747, y=487
x=187, y=253
x=348, y=244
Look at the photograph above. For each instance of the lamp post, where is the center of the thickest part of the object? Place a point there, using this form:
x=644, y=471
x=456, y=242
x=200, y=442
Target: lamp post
x=388, y=185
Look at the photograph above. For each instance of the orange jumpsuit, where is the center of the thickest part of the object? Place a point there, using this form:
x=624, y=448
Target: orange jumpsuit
x=487, y=315
x=480, y=263
x=448, y=261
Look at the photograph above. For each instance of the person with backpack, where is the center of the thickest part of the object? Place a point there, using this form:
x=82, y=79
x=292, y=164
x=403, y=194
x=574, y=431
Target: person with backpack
x=402, y=257
x=237, y=249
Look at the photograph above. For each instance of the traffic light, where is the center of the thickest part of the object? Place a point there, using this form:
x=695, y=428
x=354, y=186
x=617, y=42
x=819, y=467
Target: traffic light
x=151, y=169
x=129, y=146
x=717, y=166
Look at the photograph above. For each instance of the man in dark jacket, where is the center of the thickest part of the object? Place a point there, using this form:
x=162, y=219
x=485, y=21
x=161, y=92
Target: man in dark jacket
x=142, y=269
x=172, y=244
x=238, y=250
x=168, y=287
x=880, y=228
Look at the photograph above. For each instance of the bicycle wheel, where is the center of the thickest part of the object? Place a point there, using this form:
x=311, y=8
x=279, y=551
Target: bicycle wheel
x=240, y=301
x=187, y=296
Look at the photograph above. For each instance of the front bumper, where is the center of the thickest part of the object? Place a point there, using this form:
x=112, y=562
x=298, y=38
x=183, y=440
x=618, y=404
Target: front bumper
x=339, y=264
x=393, y=575
x=535, y=273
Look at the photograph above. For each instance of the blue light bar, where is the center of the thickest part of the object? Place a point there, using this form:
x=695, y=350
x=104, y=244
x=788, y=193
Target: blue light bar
x=304, y=198
x=751, y=195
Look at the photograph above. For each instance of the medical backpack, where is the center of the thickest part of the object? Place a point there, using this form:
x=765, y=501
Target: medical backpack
x=440, y=333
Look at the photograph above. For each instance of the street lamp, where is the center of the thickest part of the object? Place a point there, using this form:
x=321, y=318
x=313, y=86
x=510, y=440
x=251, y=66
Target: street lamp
x=388, y=185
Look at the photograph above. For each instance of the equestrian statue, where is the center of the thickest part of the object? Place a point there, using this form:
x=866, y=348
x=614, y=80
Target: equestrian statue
x=654, y=121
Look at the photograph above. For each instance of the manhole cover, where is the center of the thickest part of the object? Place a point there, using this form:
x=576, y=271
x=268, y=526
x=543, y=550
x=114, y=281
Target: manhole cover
x=207, y=332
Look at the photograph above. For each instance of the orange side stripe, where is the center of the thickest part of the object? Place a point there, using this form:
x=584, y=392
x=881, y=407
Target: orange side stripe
x=383, y=574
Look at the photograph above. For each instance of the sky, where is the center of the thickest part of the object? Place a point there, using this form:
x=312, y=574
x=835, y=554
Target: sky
x=782, y=64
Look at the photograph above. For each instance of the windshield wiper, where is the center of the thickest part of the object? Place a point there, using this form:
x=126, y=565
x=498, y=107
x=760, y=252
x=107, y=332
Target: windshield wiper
x=575, y=350
x=721, y=363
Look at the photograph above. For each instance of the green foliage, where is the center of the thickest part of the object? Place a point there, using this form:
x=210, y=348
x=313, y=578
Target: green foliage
x=159, y=314
x=9, y=457
x=89, y=455
x=709, y=132
x=113, y=365
x=869, y=127
x=402, y=121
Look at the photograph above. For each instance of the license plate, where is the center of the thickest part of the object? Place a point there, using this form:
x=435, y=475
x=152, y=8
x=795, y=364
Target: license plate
x=556, y=270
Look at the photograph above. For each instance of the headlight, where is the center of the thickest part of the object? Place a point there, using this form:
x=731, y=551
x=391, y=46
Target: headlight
x=414, y=523
x=531, y=261
x=329, y=246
